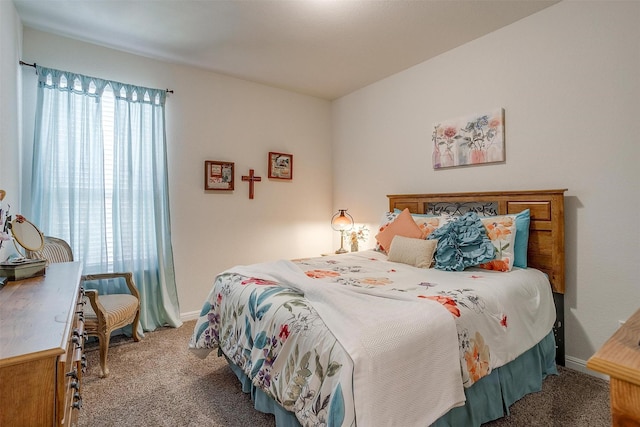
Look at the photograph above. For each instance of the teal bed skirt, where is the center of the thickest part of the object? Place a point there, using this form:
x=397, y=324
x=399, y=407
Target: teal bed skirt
x=487, y=400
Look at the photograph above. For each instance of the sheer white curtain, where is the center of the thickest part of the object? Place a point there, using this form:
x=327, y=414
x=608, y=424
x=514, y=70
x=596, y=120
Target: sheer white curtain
x=103, y=185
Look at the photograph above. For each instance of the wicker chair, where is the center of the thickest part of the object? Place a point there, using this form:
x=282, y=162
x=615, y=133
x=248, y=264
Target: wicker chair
x=104, y=313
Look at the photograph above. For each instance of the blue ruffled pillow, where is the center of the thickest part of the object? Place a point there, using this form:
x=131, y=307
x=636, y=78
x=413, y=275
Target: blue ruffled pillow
x=462, y=243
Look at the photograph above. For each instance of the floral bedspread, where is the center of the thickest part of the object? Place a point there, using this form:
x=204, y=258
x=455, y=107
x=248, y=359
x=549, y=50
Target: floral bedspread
x=278, y=339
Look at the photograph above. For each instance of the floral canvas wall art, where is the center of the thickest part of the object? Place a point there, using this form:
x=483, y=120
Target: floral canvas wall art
x=469, y=140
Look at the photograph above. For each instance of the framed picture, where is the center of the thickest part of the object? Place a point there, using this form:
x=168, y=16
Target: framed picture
x=218, y=175
x=280, y=165
x=470, y=140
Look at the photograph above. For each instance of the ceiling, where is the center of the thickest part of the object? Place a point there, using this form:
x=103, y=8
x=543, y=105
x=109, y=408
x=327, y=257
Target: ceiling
x=323, y=48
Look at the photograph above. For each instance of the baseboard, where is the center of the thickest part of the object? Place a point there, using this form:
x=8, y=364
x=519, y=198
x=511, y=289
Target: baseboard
x=191, y=315
x=581, y=366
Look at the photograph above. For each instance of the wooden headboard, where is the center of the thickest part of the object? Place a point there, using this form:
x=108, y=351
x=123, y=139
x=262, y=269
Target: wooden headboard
x=546, y=230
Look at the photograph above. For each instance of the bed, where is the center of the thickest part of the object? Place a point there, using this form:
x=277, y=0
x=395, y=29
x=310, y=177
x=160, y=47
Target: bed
x=362, y=339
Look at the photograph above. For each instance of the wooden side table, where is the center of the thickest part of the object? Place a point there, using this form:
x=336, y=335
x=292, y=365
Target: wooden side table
x=619, y=358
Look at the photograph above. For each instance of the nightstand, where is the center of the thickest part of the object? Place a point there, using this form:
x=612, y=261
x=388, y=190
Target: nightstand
x=619, y=358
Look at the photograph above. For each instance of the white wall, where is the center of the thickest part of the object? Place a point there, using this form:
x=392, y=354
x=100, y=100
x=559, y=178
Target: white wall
x=567, y=78
x=214, y=117
x=10, y=107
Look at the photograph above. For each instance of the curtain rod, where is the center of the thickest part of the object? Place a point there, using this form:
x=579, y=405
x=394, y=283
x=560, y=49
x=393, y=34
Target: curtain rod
x=21, y=62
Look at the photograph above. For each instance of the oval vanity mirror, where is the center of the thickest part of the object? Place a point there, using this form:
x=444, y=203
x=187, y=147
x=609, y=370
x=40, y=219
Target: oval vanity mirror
x=27, y=235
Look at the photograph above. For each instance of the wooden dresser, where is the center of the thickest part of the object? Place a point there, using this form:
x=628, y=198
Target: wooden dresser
x=41, y=348
x=619, y=358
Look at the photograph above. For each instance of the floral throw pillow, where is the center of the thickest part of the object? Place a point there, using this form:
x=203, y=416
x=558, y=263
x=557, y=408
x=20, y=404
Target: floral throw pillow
x=427, y=223
x=501, y=230
x=387, y=218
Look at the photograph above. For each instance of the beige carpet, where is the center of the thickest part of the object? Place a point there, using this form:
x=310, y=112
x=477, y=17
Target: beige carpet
x=158, y=382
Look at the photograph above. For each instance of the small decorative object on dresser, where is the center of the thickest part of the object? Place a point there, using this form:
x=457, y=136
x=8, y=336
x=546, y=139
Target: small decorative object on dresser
x=280, y=165
x=5, y=220
x=218, y=175
x=22, y=268
x=29, y=237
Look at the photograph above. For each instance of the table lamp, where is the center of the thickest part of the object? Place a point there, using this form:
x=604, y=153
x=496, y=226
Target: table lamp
x=342, y=222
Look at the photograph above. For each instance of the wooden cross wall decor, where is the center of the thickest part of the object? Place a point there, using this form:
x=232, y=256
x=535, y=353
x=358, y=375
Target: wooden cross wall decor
x=251, y=178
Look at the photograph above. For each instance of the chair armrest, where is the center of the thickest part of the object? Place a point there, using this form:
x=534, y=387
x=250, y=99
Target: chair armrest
x=98, y=308
x=128, y=277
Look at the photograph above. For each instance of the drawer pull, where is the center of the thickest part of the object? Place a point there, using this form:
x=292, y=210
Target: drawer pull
x=73, y=374
x=77, y=401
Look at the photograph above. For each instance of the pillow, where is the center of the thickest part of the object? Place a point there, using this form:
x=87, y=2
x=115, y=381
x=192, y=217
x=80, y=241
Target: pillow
x=387, y=218
x=462, y=243
x=415, y=215
x=403, y=225
x=522, y=239
x=415, y=252
x=502, y=232
x=426, y=222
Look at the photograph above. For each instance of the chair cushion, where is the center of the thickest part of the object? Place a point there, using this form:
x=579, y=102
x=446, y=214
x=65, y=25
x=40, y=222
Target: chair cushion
x=121, y=310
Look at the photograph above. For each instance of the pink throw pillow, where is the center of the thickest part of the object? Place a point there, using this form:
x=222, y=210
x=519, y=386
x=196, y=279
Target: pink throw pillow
x=403, y=225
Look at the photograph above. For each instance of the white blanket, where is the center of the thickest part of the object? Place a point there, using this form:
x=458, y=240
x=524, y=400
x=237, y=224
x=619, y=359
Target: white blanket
x=400, y=346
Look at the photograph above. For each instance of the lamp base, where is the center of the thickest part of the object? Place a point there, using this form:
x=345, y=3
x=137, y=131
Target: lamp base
x=342, y=250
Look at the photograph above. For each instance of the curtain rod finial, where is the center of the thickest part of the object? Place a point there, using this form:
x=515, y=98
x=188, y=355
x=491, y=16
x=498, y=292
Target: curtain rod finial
x=21, y=62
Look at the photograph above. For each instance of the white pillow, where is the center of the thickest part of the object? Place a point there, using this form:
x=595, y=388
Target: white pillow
x=415, y=252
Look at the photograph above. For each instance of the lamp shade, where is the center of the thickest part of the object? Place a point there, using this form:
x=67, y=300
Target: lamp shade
x=341, y=220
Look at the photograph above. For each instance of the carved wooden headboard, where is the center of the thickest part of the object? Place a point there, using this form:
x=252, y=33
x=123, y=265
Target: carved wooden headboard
x=546, y=230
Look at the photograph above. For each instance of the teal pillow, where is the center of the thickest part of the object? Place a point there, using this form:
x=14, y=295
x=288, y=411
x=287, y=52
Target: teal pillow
x=462, y=243
x=522, y=239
